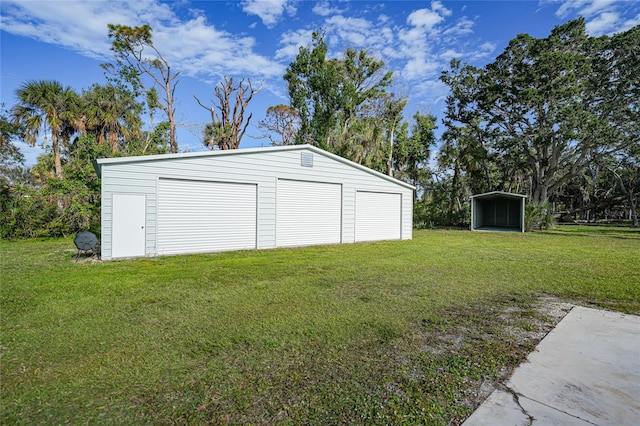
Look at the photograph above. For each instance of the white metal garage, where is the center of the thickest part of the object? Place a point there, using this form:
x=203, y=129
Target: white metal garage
x=245, y=199
x=308, y=213
x=378, y=216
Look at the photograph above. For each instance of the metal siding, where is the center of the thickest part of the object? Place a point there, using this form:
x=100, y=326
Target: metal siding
x=202, y=216
x=378, y=216
x=501, y=213
x=522, y=207
x=407, y=214
x=348, y=213
x=267, y=214
x=514, y=214
x=477, y=212
x=308, y=213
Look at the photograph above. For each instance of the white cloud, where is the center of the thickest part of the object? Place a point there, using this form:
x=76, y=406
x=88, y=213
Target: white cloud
x=354, y=31
x=323, y=8
x=80, y=26
x=194, y=46
x=418, y=49
x=269, y=11
x=420, y=39
x=450, y=54
x=428, y=18
x=603, y=23
x=484, y=51
x=462, y=27
x=226, y=54
x=601, y=16
x=630, y=23
x=422, y=67
x=424, y=19
x=291, y=41
x=586, y=8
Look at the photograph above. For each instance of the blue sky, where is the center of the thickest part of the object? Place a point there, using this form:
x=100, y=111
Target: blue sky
x=257, y=39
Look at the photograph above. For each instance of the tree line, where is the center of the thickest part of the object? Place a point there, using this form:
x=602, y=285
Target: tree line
x=554, y=118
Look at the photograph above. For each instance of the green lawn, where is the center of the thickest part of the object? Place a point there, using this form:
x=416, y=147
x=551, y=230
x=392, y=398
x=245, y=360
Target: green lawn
x=399, y=332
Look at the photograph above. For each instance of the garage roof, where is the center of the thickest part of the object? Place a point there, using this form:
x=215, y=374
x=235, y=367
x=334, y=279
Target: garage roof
x=97, y=164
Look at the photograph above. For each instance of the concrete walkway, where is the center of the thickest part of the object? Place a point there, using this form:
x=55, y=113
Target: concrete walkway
x=586, y=371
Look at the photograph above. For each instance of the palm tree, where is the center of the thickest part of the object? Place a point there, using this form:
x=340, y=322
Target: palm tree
x=47, y=106
x=111, y=113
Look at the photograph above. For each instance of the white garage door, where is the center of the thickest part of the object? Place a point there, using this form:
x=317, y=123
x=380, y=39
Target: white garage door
x=308, y=213
x=198, y=216
x=378, y=216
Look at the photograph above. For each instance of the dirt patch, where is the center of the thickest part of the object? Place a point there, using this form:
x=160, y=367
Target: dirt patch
x=478, y=347
x=85, y=258
x=525, y=325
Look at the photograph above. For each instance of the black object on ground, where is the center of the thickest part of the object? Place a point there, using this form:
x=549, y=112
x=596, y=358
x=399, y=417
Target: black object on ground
x=86, y=242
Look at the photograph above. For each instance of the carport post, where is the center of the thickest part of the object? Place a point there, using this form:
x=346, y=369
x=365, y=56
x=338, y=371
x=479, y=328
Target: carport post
x=473, y=216
x=522, y=218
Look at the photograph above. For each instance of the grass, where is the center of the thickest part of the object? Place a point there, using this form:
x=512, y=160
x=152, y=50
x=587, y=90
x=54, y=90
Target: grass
x=400, y=332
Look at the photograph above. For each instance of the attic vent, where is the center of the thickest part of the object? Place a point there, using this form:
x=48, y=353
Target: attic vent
x=306, y=159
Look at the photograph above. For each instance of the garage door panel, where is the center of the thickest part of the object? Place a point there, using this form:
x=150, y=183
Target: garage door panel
x=199, y=216
x=308, y=213
x=378, y=216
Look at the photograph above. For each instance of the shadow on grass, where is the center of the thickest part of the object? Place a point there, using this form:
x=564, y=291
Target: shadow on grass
x=625, y=231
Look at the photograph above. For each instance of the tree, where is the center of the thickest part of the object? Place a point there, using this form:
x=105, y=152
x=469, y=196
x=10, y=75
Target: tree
x=386, y=111
x=112, y=114
x=412, y=153
x=613, y=92
x=547, y=106
x=47, y=107
x=363, y=142
x=155, y=141
x=392, y=116
x=9, y=153
x=227, y=125
x=12, y=168
x=467, y=141
x=536, y=95
x=130, y=46
x=312, y=82
x=283, y=121
x=330, y=94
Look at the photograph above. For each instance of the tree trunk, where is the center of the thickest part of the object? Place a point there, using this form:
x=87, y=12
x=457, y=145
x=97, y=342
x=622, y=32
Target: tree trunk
x=172, y=136
x=539, y=195
x=56, y=155
x=633, y=205
x=390, y=159
x=487, y=175
x=173, y=142
x=634, y=211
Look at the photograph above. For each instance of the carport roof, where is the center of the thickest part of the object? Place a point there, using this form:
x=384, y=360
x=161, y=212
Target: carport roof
x=498, y=194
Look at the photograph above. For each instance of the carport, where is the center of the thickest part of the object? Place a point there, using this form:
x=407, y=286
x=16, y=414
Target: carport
x=497, y=211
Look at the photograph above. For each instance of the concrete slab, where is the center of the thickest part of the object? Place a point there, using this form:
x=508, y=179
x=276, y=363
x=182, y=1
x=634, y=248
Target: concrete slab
x=586, y=371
